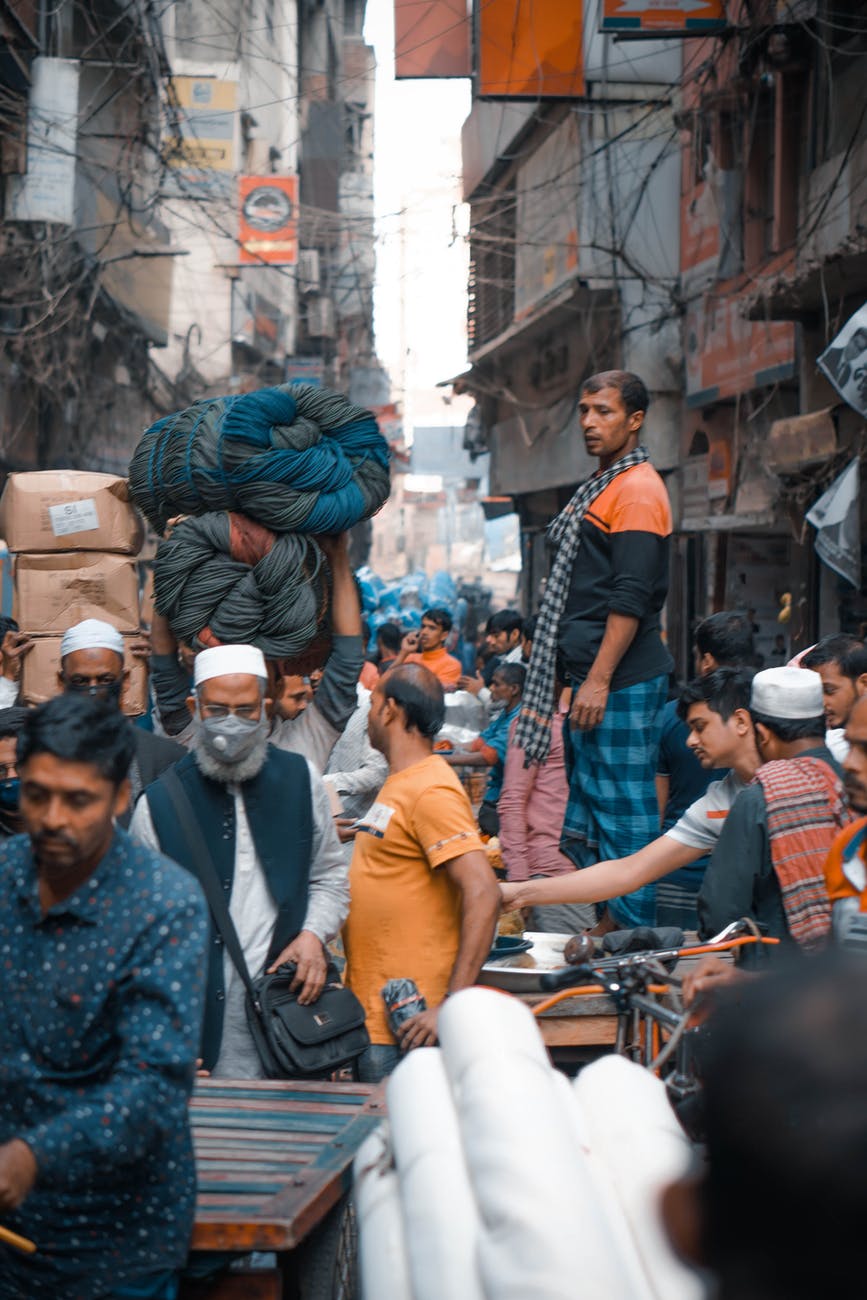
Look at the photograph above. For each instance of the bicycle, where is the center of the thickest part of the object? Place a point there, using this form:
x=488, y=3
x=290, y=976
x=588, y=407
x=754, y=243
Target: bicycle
x=653, y=1027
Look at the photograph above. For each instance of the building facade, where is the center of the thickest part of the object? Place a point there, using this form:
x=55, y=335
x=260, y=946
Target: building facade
x=200, y=220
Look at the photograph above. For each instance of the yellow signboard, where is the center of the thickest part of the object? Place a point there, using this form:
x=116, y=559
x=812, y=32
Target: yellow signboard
x=200, y=133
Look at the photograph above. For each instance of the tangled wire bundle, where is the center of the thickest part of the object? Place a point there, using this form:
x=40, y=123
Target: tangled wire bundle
x=223, y=579
x=295, y=458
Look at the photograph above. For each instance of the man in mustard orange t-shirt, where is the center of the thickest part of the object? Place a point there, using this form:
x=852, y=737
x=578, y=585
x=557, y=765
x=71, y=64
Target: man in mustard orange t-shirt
x=424, y=899
x=431, y=640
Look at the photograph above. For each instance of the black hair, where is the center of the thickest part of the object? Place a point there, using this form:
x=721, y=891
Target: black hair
x=440, y=616
x=723, y=691
x=854, y=664
x=11, y=722
x=505, y=620
x=633, y=391
x=80, y=730
x=8, y=624
x=789, y=729
x=528, y=631
x=728, y=637
x=389, y=636
x=831, y=649
x=415, y=690
x=784, y=1064
x=512, y=674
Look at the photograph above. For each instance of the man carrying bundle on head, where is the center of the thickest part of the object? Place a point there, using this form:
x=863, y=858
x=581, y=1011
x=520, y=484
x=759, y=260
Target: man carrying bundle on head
x=302, y=725
x=265, y=819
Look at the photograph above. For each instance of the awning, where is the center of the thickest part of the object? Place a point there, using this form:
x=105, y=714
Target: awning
x=747, y=523
x=795, y=296
x=496, y=507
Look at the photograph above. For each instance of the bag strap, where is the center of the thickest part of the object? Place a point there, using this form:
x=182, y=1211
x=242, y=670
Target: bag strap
x=207, y=876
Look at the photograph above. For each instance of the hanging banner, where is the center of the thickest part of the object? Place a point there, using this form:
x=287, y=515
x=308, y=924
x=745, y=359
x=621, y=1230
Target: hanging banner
x=432, y=38
x=674, y=18
x=837, y=517
x=46, y=191
x=530, y=49
x=268, y=220
x=845, y=361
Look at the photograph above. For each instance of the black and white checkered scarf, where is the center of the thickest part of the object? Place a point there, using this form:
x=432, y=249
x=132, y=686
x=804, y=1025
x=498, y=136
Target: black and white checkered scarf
x=533, y=732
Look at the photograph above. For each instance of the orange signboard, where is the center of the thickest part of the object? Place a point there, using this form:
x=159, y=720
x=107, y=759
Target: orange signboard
x=432, y=38
x=268, y=220
x=727, y=354
x=530, y=49
x=675, y=18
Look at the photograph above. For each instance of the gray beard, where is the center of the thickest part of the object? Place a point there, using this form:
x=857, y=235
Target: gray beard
x=231, y=773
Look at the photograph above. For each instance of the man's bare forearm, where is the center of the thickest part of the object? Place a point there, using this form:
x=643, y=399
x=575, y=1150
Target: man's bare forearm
x=480, y=906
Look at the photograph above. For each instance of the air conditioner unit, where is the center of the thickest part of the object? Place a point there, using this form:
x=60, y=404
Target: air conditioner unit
x=308, y=270
x=320, y=318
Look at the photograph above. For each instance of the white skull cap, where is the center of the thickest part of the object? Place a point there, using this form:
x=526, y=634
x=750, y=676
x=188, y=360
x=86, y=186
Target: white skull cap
x=790, y=694
x=228, y=660
x=92, y=634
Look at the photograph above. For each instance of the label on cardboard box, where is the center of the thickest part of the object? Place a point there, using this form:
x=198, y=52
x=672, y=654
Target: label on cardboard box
x=74, y=517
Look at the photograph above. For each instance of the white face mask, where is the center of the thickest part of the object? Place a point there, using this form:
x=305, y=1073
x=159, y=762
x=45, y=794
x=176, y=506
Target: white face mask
x=231, y=739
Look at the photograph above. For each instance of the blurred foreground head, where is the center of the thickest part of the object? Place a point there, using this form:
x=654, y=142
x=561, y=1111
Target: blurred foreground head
x=778, y=1211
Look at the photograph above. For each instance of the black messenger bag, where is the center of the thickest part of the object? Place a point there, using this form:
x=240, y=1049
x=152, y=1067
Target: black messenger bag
x=292, y=1041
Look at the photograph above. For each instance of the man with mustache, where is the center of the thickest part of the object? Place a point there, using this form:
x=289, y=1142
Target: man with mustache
x=266, y=822
x=92, y=663
x=101, y=985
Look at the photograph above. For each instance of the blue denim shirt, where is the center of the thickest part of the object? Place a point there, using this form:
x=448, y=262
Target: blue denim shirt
x=496, y=735
x=102, y=1002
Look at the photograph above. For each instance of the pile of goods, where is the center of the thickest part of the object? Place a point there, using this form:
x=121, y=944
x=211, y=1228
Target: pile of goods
x=74, y=536
x=254, y=478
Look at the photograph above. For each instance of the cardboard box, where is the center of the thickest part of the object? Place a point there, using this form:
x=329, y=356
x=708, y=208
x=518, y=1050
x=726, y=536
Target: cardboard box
x=41, y=666
x=53, y=592
x=69, y=510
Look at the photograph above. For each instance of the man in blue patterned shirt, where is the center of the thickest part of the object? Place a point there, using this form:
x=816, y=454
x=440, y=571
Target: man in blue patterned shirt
x=102, y=956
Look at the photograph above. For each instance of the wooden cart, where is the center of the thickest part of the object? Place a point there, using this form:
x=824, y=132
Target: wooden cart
x=274, y=1165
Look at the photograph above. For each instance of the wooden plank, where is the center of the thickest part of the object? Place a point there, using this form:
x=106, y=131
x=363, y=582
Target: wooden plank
x=575, y=1031
x=273, y=1159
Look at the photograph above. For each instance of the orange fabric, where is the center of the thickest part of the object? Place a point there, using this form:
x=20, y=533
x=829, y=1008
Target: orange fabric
x=634, y=502
x=405, y=918
x=369, y=676
x=441, y=663
x=837, y=885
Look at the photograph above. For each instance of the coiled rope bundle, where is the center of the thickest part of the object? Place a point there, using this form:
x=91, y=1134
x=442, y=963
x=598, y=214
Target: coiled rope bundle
x=295, y=458
x=223, y=579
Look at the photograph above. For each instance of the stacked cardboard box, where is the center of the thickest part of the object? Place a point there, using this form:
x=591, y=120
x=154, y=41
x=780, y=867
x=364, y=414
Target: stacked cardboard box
x=73, y=534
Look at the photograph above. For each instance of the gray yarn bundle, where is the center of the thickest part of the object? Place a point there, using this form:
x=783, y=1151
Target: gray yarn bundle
x=224, y=579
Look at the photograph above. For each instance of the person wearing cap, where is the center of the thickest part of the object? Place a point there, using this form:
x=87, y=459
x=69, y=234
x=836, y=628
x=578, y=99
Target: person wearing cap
x=301, y=724
x=769, y=862
x=266, y=820
x=11, y=722
x=92, y=663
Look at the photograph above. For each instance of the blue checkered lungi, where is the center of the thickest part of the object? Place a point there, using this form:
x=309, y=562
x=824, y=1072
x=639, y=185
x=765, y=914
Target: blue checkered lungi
x=612, y=809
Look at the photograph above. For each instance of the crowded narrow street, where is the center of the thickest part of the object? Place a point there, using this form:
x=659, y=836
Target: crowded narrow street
x=433, y=649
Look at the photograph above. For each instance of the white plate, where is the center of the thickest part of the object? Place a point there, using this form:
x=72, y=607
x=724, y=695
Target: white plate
x=515, y=975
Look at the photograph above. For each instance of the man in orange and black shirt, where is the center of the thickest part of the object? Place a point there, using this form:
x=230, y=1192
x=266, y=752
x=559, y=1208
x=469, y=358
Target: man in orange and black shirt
x=610, y=646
